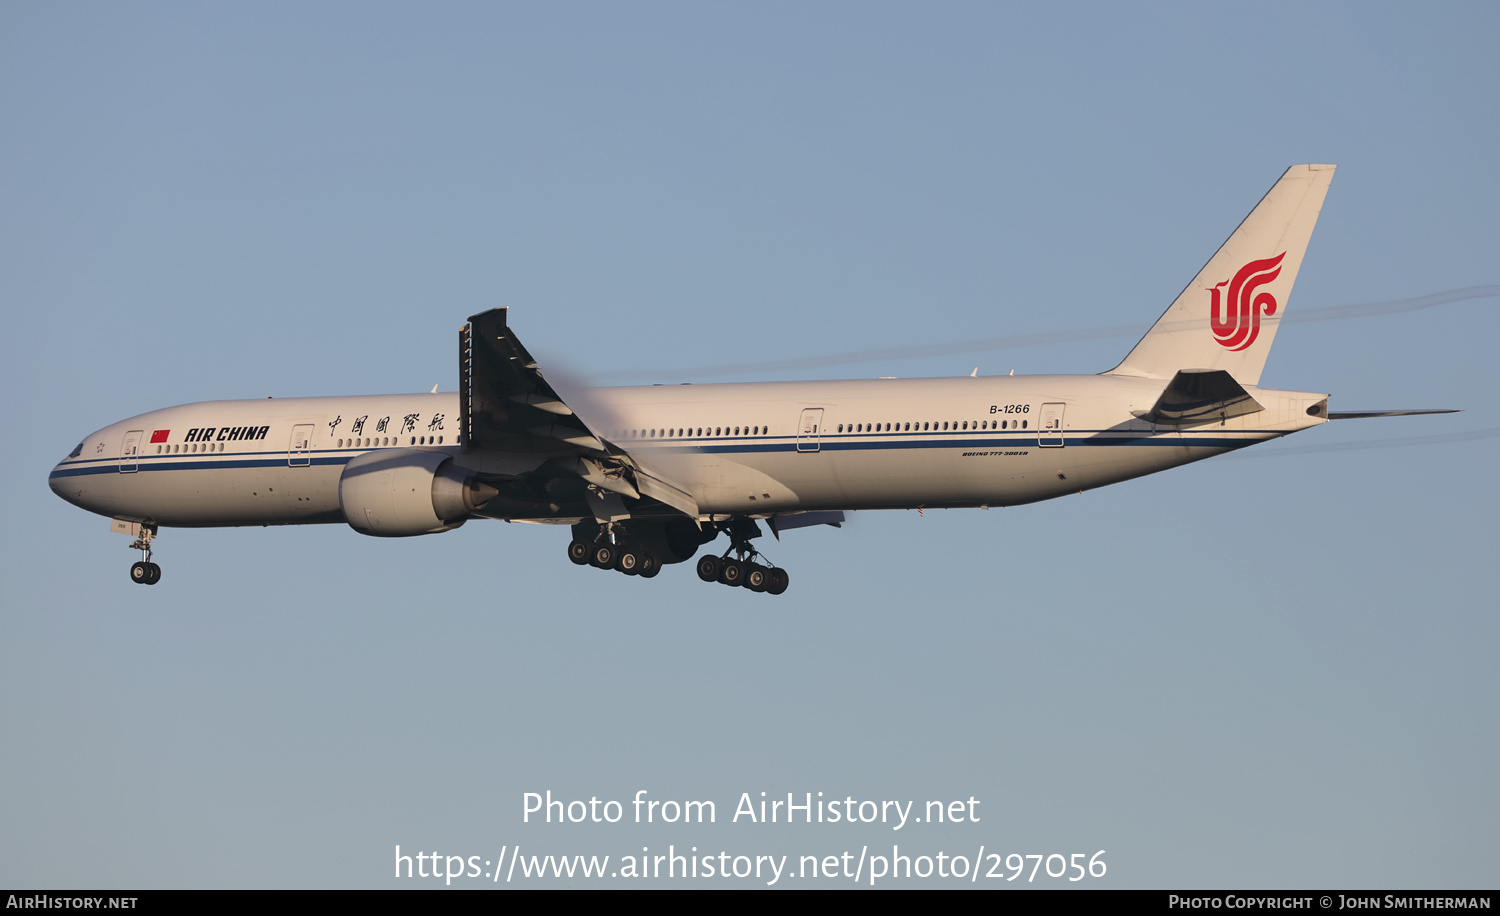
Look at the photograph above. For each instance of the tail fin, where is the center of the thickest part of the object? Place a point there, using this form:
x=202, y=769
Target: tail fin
x=1227, y=317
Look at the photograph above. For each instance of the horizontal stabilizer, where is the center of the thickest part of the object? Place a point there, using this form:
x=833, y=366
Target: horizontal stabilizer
x=1199, y=396
x=1361, y=414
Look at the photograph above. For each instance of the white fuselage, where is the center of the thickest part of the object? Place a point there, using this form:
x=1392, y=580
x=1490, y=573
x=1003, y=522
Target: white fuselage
x=739, y=449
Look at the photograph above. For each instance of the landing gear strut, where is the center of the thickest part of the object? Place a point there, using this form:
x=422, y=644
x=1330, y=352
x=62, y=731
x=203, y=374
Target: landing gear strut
x=145, y=572
x=742, y=570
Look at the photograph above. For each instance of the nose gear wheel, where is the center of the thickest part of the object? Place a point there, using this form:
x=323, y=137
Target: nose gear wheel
x=145, y=572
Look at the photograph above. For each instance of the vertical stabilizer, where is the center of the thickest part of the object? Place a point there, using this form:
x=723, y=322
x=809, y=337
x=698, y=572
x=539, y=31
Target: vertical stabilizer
x=1227, y=317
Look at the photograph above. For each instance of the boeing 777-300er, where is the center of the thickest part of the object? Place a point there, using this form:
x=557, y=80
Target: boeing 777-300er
x=648, y=475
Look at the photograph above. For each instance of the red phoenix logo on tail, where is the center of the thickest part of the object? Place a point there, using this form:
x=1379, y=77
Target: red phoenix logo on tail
x=1236, y=318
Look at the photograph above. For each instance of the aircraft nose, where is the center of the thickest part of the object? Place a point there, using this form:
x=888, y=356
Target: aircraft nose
x=56, y=481
x=66, y=485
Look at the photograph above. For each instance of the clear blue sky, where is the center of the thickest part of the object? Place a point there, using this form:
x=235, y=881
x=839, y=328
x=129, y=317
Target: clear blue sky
x=1271, y=670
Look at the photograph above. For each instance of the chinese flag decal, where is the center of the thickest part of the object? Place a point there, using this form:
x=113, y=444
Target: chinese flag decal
x=160, y=435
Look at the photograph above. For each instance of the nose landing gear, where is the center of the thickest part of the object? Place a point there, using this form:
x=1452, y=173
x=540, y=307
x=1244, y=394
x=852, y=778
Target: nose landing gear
x=145, y=572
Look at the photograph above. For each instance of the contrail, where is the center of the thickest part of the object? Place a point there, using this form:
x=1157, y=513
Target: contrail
x=1469, y=436
x=1015, y=341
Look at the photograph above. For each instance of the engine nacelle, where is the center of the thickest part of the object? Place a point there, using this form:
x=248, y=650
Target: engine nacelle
x=405, y=492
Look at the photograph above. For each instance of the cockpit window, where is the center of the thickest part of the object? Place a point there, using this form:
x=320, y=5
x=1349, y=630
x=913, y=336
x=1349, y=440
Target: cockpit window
x=77, y=450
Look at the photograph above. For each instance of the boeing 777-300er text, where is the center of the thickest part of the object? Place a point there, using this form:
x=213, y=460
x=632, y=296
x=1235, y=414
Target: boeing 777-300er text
x=648, y=475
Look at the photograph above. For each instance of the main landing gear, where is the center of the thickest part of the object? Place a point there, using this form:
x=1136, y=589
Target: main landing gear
x=614, y=550
x=609, y=546
x=145, y=572
x=742, y=570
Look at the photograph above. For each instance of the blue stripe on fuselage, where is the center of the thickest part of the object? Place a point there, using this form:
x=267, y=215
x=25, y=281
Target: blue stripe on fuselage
x=707, y=446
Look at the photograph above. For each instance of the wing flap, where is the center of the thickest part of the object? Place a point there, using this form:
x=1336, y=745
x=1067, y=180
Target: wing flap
x=666, y=493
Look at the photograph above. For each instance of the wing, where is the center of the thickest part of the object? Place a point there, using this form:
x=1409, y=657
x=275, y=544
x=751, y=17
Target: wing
x=515, y=424
x=506, y=404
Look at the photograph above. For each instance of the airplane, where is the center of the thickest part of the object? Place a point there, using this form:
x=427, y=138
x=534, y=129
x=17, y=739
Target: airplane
x=646, y=476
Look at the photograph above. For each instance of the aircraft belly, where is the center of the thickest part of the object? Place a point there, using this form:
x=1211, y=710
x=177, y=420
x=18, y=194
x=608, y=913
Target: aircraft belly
x=735, y=484
x=906, y=477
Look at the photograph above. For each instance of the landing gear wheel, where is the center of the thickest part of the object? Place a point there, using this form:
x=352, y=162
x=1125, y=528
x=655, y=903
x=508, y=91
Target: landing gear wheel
x=145, y=572
x=778, y=580
x=629, y=561
x=650, y=564
x=603, y=556
x=733, y=573
x=757, y=577
x=709, y=568
x=579, y=550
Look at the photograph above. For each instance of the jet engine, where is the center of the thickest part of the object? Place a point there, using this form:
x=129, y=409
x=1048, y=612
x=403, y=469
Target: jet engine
x=405, y=492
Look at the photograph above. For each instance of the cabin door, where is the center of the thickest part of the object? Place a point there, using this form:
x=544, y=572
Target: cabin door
x=810, y=430
x=1049, y=430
